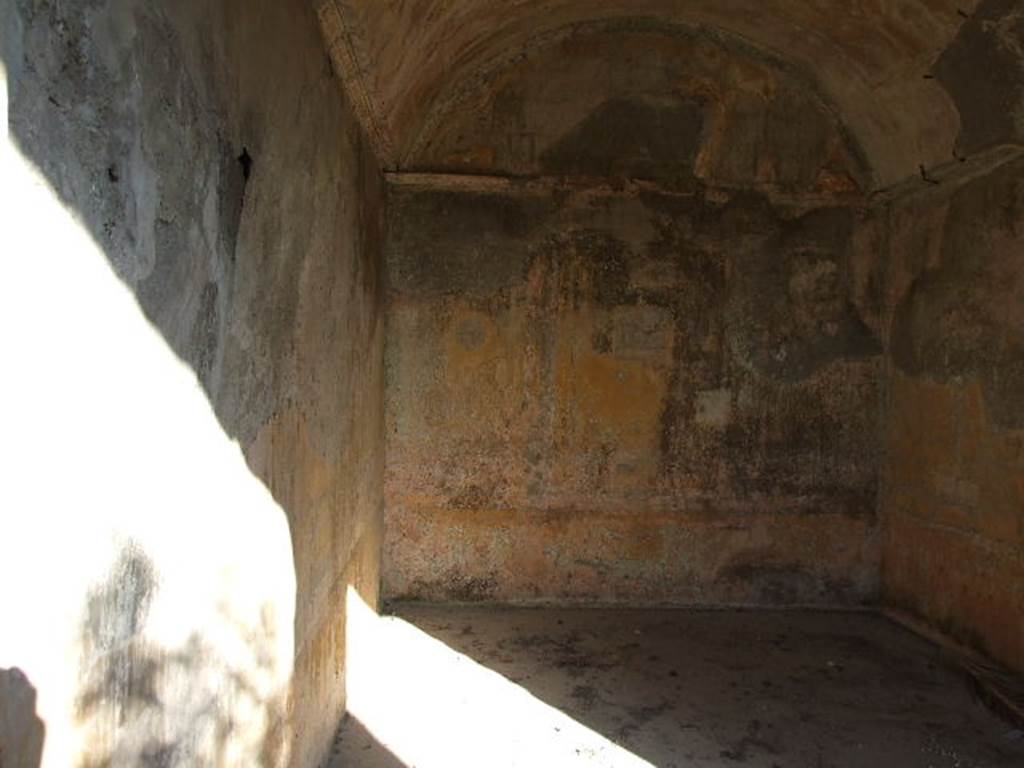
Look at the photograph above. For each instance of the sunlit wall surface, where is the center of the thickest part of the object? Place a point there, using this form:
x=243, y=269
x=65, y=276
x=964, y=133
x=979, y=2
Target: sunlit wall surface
x=147, y=576
x=190, y=406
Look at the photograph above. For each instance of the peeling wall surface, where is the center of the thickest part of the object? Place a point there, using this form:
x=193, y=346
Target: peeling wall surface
x=910, y=79
x=663, y=387
x=954, y=495
x=643, y=100
x=702, y=302
x=682, y=347
x=649, y=398
x=581, y=301
x=616, y=397
x=192, y=399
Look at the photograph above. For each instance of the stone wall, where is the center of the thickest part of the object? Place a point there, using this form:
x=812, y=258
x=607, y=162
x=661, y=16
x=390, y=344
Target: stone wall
x=640, y=363
x=953, y=505
x=690, y=309
x=191, y=312
x=629, y=396
x=695, y=324
x=416, y=59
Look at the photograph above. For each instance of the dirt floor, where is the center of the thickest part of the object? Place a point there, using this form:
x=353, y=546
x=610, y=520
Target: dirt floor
x=671, y=688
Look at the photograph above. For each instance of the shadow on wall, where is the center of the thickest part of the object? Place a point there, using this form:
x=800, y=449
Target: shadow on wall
x=120, y=689
x=355, y=744
x=21, y=731
x=180, y=271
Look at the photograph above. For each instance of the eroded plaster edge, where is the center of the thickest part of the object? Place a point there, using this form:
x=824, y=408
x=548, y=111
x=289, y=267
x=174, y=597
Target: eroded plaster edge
x=341, y=48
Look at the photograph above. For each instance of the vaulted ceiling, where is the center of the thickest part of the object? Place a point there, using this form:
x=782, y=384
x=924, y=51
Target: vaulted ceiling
x=910, y=85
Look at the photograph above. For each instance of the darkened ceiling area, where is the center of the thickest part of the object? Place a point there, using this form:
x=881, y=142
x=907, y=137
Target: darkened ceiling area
x=471, y=86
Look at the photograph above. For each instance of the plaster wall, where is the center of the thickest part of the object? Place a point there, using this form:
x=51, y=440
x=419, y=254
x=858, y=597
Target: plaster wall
x=642, y=365
x=700, y=324
x=953, y=505
x=410, y=60
x=192, y=398
x=600, y=396
x=676, y=350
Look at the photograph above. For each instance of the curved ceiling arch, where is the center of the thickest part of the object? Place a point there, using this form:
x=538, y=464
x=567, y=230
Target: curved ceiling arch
x=628, y=47
x=871, y=59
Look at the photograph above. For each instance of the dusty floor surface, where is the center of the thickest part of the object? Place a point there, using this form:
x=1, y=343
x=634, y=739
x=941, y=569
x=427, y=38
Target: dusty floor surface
x=671, y=688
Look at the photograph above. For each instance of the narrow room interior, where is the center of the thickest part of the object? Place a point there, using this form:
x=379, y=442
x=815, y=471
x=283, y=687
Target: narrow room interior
x=474, y=383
